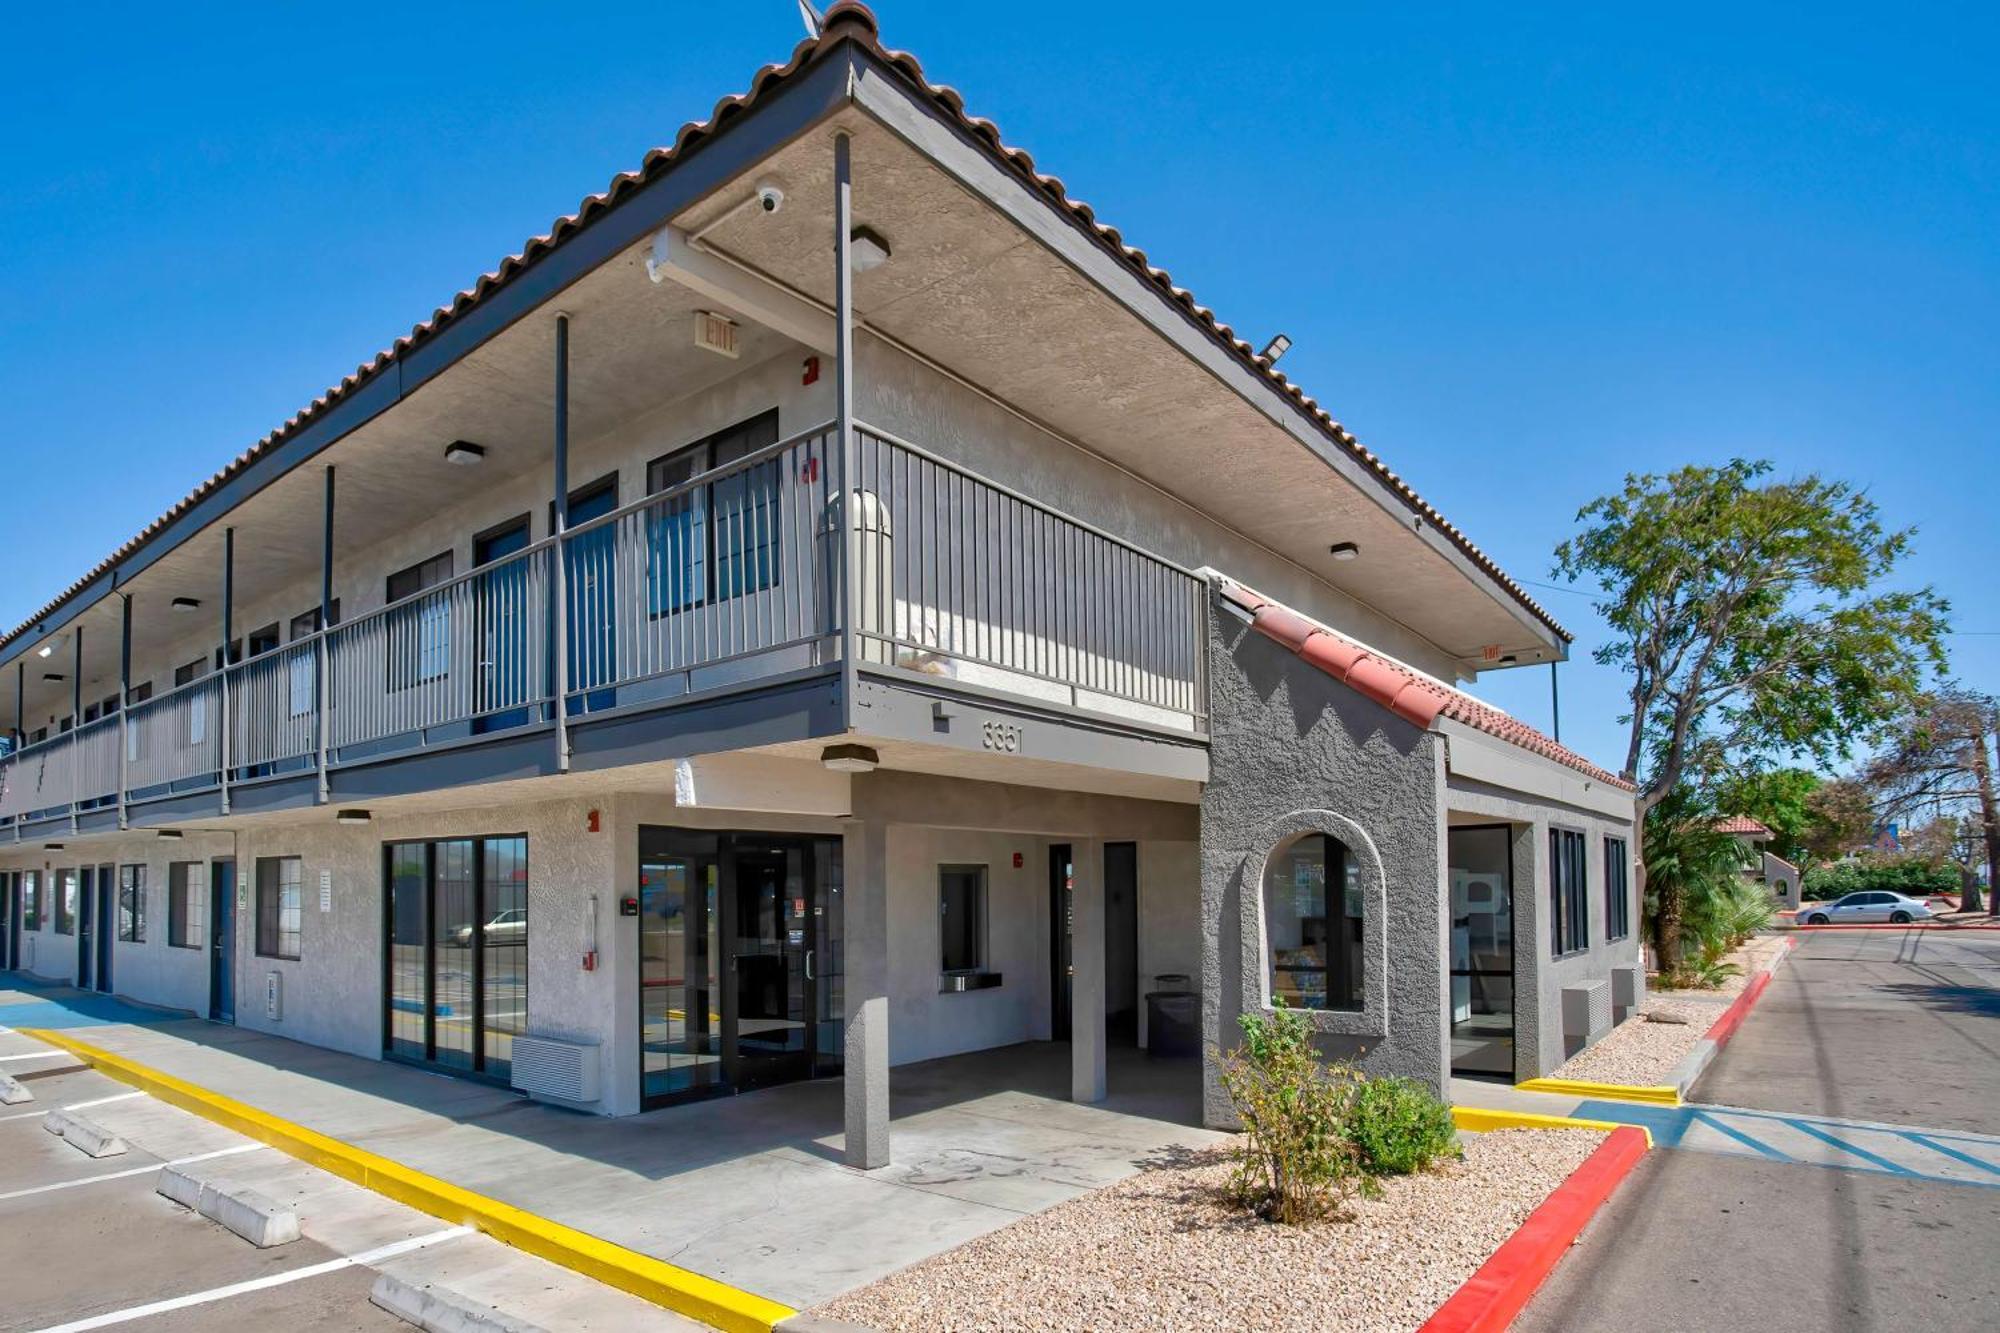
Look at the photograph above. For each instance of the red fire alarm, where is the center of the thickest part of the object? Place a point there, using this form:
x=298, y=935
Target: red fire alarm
x=811, y=375
x=1017, y=860
x=594, y=823
x=590, y=961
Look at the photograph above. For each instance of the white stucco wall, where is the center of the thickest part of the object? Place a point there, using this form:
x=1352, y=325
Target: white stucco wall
x=1169, y=917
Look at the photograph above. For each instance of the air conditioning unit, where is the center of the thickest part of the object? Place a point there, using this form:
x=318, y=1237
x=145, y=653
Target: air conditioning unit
x=558, y=1069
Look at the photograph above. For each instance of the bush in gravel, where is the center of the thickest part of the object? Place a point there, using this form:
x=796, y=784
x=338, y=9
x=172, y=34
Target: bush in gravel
x=1399, y=1126
x=1297, y=1161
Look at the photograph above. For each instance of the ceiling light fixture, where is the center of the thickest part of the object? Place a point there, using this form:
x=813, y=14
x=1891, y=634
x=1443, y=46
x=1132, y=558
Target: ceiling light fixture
x=186, y=604
x=352, y=817
x=171, y=834
x=1344, y=550
x=1274, y=349
x=464, y=453
x=54, y=675
x=850, y=758
x=868, y=249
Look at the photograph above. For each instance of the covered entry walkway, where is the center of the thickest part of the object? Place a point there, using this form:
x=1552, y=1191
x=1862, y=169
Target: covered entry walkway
x=749, y=1190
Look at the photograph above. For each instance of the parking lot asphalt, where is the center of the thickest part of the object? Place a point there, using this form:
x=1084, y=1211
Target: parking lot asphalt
x=88, y=1242
x=1898, y=1027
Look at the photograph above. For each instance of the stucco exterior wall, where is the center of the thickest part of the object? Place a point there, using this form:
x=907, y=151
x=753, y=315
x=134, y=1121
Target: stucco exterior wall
x=1539, y=976
x=1169, y=917
x=1292, y=748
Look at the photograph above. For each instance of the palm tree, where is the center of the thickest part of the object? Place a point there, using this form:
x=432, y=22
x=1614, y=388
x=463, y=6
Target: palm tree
x=1694, y=876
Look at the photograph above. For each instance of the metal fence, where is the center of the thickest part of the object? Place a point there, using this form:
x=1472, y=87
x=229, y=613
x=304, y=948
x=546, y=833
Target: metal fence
x=966, y=578
x=274, y=705
x=175, y=737
x=729, y=565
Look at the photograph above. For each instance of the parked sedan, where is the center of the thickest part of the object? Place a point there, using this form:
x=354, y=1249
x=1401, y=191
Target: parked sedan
x=510, y=927
x=1867, y=906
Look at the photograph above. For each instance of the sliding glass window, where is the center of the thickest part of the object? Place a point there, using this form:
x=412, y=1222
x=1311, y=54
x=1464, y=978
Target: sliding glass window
x=456, y=933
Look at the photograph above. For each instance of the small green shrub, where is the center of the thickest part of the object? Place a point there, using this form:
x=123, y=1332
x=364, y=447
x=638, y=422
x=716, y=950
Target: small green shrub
x=1399, y=1126
x=1297, y=1162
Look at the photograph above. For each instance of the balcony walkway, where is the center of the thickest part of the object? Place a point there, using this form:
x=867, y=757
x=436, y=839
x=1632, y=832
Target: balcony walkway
x=749, y=1190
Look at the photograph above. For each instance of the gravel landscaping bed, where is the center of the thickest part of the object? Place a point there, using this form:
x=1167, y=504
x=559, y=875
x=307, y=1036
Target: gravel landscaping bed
x=1643, y=1053
x=1164, y=1250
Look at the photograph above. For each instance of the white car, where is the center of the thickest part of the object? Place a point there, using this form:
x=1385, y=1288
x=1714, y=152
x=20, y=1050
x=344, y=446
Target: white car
x=1867, y=906
x=510, y=927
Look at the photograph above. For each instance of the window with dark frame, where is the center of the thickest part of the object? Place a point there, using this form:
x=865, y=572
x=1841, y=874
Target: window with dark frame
x=1313, y=925
x=962, y=918
x=265, y=640
x=718, y=541
x=31, y=900
x=63, y=883
x=419, y=636
x=132, y=904
x=279, y=890
x=1617, y=891
x=456, y=934
x=1569, y=908
x=187, y=904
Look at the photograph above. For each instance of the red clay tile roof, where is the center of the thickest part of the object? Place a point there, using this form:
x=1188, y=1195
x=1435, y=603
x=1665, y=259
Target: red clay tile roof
x=846, y=20
x=1741, y=824
x=1409, y=694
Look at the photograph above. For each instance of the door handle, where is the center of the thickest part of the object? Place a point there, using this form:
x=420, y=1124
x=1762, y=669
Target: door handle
x=809, y=964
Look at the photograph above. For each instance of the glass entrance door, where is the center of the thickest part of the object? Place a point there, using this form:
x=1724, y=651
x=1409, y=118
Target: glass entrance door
x=1482, y=950
x=739, y=982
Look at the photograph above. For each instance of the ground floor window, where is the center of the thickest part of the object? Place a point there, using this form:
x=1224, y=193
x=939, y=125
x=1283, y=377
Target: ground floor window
x=31, y=900
x=457, y=952
x=187, y=903
x=279, y=889
x=1312, y=924
x=1480, y=866
x=1569, y=910
x=1617, y=891
x=65, y=885
x=962, y=918
x=132, y=904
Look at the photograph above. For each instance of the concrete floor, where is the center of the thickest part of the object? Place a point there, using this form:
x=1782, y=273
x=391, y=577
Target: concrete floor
x=750, y=1189
x=1898, y=1027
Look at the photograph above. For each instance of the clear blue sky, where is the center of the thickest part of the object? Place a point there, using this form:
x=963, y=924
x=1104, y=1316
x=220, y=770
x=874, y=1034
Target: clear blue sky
x=1520, y=252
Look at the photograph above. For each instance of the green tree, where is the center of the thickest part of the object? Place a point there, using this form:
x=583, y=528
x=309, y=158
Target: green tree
x=1694, y=881
x=1940, y=764
x=1780, y=799
x=1751, y=617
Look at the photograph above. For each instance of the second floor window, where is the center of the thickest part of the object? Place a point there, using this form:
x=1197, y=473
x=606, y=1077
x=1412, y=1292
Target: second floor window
x=194, y=704
x=717, y=541
x=419, y=635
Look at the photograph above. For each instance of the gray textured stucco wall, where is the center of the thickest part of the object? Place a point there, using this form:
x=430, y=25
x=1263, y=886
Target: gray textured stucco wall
x=1286, y=739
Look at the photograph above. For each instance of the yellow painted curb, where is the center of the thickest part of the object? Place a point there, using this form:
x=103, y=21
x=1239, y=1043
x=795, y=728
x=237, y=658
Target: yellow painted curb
x=676, y=1288
x=1480, y=1119
x=1652, y=1095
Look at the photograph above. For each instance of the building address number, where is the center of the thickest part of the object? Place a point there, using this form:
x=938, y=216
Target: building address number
x=1002, y=736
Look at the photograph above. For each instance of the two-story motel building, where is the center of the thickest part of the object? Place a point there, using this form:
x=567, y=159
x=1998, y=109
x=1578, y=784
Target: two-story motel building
x=829, y=603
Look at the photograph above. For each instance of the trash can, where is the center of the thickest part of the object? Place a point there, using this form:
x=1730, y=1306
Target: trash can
x=1173, y=1018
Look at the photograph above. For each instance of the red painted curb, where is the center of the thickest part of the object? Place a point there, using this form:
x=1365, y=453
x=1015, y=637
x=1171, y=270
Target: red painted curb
x=1723, y=1028
x=1908, y=925
x=1504, y=1284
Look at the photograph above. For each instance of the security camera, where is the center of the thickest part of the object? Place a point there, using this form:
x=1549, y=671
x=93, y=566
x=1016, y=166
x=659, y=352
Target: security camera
x=770, y=196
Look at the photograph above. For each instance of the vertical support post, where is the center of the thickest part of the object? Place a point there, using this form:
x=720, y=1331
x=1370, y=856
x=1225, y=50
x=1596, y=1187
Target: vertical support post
x=75, y=725
x=20, y=703
x=323, y=660
x=124, y=700
x=559, y=555
x=228, y=623
x=1086, y=1004
x=865, y=1076
x=1555, y=706
x=843, y=382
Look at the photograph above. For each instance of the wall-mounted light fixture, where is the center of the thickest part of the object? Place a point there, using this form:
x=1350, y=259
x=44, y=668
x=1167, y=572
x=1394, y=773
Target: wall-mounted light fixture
x=850, y=758
x=52, y=846
x=464, y=453
x=1344, y=550
x=352, y=817
x=1274, y=349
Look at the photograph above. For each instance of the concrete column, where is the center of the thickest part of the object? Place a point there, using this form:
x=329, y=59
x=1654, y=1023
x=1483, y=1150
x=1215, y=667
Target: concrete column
x=1086, y=1005
x=865, y=861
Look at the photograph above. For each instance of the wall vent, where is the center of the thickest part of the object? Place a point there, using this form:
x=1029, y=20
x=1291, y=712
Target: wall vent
x=554, y=1067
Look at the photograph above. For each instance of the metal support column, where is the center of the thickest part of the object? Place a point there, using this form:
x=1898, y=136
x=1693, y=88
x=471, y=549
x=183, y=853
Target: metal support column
x=1555, y=707
x=323, y=660
x=75, y=725
x=558, y=555
x=124, y=701
x=20, y=703
x=843, y=378
x=228, y=621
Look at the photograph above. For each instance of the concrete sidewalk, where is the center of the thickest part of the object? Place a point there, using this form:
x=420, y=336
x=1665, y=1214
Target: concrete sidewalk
x=748, y=1190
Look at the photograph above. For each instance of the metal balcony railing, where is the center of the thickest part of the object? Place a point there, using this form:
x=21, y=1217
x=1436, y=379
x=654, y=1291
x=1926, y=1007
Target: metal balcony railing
x=732, y=576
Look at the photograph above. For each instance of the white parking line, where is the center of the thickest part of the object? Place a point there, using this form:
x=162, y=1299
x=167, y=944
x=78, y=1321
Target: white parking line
x=259, y=1284
x=39, y=1055
x=135, y=1171
x=73, y=1106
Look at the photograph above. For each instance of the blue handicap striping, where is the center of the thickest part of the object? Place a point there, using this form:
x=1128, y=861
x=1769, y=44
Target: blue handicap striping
x=1667, y=1123
x=1932, y=1142
x=1893, y=1168
x=1717, y=1123
x=39, y=1006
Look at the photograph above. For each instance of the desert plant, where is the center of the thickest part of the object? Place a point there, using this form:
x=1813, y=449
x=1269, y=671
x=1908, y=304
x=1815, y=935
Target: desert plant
x=1399, y=1126
x=1297, y=1161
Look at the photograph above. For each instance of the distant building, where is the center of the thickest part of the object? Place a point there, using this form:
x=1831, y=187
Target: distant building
x=1761, y=864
